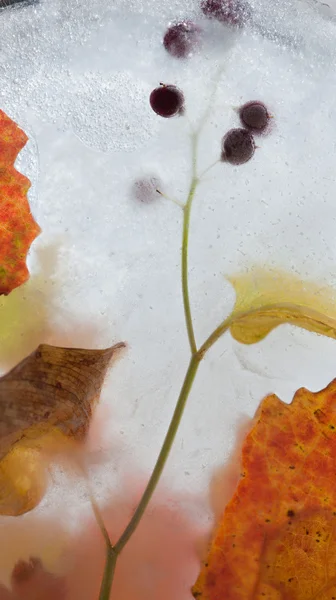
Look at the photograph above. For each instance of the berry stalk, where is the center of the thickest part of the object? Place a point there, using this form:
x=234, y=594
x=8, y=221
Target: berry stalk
x=237, y=148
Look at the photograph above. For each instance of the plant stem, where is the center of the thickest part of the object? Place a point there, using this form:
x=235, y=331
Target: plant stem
x=100, y=522
x=161, y=461
x=109, y=569
x=211, y=100
x=189, y=377
x=209, y=168
x=111, y=556
x=185, y=247
x=177, y=202
x=214, y=336
x=112, y=552
x=184, y=271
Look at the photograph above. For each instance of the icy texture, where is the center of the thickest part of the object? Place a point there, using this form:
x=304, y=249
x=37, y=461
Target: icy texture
x=77, y=75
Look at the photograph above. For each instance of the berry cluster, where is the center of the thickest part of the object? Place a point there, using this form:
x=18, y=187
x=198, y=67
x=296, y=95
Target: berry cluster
x=180, y=39
x=238, y=144
x=184, y=37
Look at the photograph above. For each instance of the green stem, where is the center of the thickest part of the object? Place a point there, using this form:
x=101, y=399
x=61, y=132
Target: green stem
x=214, y=336
x=190, y=374
x=177, y=202
x=184, y=271
x=185, y=247
x=101, y=523
x=209, y=168
x=109, y=569
x=211, y=100
x=112, y=552
x=111, y=556
x=162, y=458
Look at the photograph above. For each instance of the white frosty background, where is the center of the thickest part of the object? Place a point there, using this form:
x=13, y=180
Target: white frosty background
x=76, y=75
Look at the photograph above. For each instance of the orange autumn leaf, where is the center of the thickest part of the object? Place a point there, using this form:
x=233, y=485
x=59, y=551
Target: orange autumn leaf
x=18, y=228
x=46, y=405
x=277, y=537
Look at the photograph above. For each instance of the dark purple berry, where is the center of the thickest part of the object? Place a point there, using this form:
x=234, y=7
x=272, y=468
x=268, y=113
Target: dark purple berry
x=145, y=189
x=182, y=38
x=230, y=12
x=237, y=146
x=255, y=116
x=167, y=100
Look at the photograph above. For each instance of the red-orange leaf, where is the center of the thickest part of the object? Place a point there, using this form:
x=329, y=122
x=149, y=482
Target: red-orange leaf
x=18, y=228
x=277, y=537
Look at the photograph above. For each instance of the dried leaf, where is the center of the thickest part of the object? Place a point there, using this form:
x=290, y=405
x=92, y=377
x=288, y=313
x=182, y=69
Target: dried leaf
x=30, y=581
x=24, y=570
x=266, y=299
x=46, y=404
x=18, y=228
x=277, y=537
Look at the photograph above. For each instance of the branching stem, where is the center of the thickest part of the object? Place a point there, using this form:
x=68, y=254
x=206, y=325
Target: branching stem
x=196, y=356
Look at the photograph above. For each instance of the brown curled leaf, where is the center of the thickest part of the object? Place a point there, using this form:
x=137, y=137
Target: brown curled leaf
x=46, y=404
x=31, y=581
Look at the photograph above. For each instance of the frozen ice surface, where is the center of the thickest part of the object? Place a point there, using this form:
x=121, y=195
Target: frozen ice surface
x=76, y=75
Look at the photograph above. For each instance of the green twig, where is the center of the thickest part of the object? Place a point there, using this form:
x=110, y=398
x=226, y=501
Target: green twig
x=211, y=101
x=109, y=569
x=184, y=270
x=189, y=377
x=174, y=200
x=111, y=556
x=216, y=162
x=162, y=458
x=215, y=335
x=185, y=248
x=112, y=552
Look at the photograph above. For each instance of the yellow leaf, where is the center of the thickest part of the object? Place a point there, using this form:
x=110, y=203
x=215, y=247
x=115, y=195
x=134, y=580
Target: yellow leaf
x=266, y=299
x=46, y=404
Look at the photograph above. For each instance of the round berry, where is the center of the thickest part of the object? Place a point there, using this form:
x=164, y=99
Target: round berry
x=182, y=38
x=237, y=146
x=167, y=100
x=145, y=189
x=255, y=116
x=230, y=12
